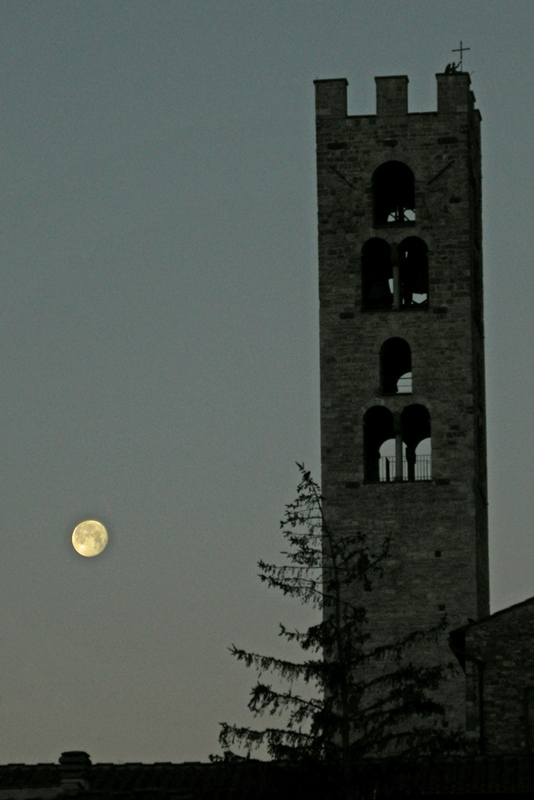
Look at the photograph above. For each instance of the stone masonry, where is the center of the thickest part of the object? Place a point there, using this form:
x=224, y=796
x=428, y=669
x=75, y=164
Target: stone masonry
x=498, y=655
x=439, y=554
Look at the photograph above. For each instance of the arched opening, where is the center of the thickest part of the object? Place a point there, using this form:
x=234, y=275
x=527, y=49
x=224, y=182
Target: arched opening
x=413, y=272
x=397, y=448
x=388, y=461
x=396, y=367
x=393, y=194
x=415, y=424
x=377, y=274
x=377, y=429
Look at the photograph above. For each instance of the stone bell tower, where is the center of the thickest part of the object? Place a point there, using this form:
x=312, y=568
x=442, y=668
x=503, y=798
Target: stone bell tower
x=402, y=348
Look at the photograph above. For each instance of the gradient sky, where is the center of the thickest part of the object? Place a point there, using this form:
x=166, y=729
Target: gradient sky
x=159, y=336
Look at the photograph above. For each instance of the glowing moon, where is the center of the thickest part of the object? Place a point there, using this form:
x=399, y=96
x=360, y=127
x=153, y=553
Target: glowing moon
x=89, y=538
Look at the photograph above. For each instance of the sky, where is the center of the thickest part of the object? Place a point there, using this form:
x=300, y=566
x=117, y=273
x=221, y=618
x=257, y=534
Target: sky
x=159, y=336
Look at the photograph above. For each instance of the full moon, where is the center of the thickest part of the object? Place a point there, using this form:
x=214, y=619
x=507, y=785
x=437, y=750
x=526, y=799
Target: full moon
x=89, y=538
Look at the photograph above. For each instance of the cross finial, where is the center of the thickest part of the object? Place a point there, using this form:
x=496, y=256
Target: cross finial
x=461, y=50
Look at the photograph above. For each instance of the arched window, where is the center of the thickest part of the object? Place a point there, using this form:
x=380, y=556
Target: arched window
x=413, y=272
x=415, y=423
x=396, y=367
x=377, y=274
x=377, y=429
x=393, y=194
x=389, y=458
x=395, y=276
x=397, y=448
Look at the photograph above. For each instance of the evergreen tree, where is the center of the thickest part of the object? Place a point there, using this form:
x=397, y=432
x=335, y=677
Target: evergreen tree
x=366, y=699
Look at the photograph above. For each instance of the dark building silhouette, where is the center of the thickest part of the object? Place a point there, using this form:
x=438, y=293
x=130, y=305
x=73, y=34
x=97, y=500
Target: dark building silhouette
x=75, y=777
x=497, y=654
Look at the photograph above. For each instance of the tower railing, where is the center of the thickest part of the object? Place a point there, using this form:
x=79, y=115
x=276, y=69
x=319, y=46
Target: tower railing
x=387, y=468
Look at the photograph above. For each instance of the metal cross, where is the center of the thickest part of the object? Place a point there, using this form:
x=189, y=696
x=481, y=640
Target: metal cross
x=461, y=50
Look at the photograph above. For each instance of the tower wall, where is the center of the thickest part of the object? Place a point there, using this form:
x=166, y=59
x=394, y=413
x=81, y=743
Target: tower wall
x=439, y=558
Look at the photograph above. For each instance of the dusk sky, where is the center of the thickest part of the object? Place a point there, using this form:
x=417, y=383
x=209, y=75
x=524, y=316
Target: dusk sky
x=159, y=336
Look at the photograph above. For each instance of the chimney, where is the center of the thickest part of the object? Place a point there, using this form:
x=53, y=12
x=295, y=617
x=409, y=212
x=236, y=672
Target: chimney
x=75, y=770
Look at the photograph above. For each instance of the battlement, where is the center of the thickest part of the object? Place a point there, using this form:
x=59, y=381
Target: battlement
x=331, y=97
x=391, y=96
x=454, y=95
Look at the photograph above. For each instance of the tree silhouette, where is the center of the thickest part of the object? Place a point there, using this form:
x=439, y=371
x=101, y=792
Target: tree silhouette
x=363, y=699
